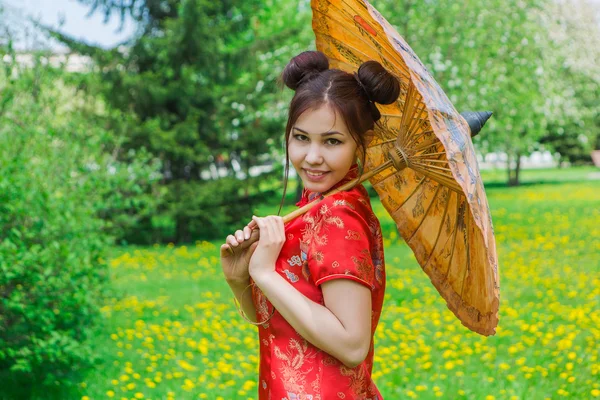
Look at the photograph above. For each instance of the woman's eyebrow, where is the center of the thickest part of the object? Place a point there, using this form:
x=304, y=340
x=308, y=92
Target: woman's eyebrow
x=322, y=134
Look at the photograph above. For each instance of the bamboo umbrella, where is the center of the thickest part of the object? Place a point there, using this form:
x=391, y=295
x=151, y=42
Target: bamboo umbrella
x=421, y=163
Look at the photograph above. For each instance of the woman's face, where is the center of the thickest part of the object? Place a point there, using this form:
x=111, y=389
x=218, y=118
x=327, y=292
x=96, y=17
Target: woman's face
x=321, y=149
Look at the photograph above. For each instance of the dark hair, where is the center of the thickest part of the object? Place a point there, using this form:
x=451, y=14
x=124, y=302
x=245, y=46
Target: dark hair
x=352, y=96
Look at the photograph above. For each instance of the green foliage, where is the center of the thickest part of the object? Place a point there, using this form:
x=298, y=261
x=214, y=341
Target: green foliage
x=64, y=194
x=569, y=145
x=200, y=82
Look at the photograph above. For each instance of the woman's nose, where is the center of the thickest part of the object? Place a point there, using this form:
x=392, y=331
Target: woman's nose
x=313, y=156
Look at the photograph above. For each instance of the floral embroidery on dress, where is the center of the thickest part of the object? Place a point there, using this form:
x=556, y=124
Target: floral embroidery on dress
x=343, y=202
x=357, y=380
x=363, y=265
x=262, y=308
x=352, y=235
x=291, y=276
x=318, y=256
x=294, y=359
x=295, y=260
x=315, y=231
x=379, y=273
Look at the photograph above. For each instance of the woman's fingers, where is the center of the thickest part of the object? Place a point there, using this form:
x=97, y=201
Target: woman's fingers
x=231, y=241
x=264, y=233
x=239, y=235
x=247, y=232
x=280, y=227
x=271, y=228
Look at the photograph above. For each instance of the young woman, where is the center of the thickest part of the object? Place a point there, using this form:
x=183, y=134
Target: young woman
x=318, y=281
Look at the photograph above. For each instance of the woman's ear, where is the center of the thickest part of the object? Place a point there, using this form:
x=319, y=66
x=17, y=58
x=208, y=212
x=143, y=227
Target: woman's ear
x=369, y=136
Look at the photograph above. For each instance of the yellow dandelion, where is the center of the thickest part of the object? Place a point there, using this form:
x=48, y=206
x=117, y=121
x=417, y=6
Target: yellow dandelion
x=185, y=365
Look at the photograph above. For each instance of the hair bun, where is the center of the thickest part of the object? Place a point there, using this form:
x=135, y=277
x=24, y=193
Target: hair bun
x=303, y=67
x=381, y=86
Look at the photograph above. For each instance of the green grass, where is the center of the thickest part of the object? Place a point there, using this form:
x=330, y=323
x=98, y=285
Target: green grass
x=171, y=330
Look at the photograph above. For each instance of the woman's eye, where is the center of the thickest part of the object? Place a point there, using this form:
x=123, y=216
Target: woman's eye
x=304, y=138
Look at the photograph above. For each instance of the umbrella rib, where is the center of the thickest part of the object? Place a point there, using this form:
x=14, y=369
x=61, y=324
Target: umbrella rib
x=439, y=231
x=426, y=169
x=423, y=155
x=416, y=117
x=417, y=137
x=431, y=166
x=408, y=124
x=442, y=178
x=401, y=139
x=381, y=33
x=429, y=160
x=425, y=214
x=435, y=143
x=390, y=140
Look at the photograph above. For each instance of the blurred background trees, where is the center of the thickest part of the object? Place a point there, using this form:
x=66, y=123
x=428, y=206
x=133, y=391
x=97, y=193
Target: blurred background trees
x=530, y=62
x=199, y=82
x=199, y=85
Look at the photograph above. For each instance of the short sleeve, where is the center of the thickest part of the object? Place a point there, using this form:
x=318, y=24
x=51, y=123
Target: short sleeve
x=339, y=246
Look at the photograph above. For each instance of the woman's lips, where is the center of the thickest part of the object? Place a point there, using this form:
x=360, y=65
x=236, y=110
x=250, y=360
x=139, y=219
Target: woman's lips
x=315, y=176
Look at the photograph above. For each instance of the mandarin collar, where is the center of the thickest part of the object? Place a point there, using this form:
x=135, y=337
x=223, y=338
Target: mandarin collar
x=308, y=196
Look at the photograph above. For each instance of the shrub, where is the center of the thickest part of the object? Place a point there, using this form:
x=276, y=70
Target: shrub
x=63, y=197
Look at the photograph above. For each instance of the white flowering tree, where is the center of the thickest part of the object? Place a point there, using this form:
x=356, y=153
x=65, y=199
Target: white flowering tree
x=499, y=55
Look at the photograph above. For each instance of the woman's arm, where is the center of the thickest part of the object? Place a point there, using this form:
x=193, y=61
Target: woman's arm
x=342, y=327
x=247, y=304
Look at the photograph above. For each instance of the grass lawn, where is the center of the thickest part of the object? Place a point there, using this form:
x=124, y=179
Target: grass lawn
x=172, y=332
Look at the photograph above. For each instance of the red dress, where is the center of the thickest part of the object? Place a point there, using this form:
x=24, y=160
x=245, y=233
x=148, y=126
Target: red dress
x=340, y=238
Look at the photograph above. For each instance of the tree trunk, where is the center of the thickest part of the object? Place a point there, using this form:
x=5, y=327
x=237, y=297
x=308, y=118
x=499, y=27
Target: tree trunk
x=513, y=175
x=182, y=234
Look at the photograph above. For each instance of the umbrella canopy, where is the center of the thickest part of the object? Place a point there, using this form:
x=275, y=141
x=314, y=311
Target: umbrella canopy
x=422, y=163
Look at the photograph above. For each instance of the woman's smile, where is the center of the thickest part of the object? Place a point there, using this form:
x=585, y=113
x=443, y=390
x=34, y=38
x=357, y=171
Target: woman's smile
x=315, y=175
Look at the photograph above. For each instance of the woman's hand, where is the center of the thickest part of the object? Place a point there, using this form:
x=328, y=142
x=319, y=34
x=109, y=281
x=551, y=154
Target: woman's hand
x=236, y=253
x=272, y=238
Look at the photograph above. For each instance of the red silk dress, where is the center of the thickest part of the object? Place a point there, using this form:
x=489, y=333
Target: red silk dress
x=340, y=238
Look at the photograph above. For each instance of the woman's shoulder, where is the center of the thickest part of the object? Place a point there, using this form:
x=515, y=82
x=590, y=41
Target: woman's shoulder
x=354, y=200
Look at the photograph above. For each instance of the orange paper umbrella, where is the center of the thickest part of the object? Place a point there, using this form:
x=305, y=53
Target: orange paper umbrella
x=421, y=163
